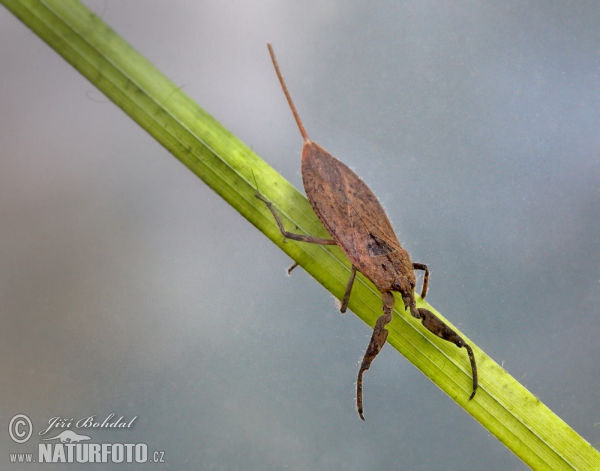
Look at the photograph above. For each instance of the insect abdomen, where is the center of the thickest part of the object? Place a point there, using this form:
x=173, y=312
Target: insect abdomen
x=350, y=212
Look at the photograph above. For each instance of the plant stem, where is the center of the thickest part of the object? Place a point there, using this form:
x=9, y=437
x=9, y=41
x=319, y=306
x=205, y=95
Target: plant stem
x=502, y=405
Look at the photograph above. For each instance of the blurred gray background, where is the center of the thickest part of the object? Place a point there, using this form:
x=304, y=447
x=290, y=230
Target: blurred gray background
x=127, y=286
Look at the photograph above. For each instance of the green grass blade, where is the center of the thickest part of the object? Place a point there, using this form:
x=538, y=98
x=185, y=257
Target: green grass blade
x=502, y=405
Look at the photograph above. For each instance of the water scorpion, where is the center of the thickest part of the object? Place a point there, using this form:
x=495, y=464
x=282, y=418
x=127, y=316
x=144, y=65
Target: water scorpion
x=358, y=225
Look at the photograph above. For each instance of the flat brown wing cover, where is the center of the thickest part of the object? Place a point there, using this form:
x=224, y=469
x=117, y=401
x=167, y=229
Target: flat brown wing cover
x=352, y=214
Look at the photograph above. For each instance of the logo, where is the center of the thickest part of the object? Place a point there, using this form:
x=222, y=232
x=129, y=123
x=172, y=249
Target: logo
x=68, y=436
x=69, y=446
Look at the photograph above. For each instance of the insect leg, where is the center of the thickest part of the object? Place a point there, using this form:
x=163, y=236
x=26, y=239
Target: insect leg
x=289, y=235
x=439, y=328
x=375, y=345
x=348, y=290
x=422, y=266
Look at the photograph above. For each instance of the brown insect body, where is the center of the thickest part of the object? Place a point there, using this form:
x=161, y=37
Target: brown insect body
x=355, y=219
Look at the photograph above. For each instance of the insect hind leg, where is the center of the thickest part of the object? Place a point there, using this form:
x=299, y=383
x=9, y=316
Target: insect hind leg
x=290, y=235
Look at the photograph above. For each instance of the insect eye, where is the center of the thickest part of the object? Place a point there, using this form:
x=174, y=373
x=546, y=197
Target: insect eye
x=396, y=286
x=412, y=285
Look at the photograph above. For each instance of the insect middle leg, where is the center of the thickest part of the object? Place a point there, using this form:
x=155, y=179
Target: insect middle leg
x=377, y=342
x=348, y=290
x=422, y=266
x=310, y=240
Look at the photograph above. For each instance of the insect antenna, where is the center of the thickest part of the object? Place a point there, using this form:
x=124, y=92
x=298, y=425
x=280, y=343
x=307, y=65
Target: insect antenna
x=287, y=94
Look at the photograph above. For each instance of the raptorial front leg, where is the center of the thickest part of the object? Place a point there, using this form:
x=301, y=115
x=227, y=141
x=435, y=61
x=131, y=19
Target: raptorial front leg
x=377, y=342
x=439, y=328
x=348, y=290
x=422, y=266
x=290, y=235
